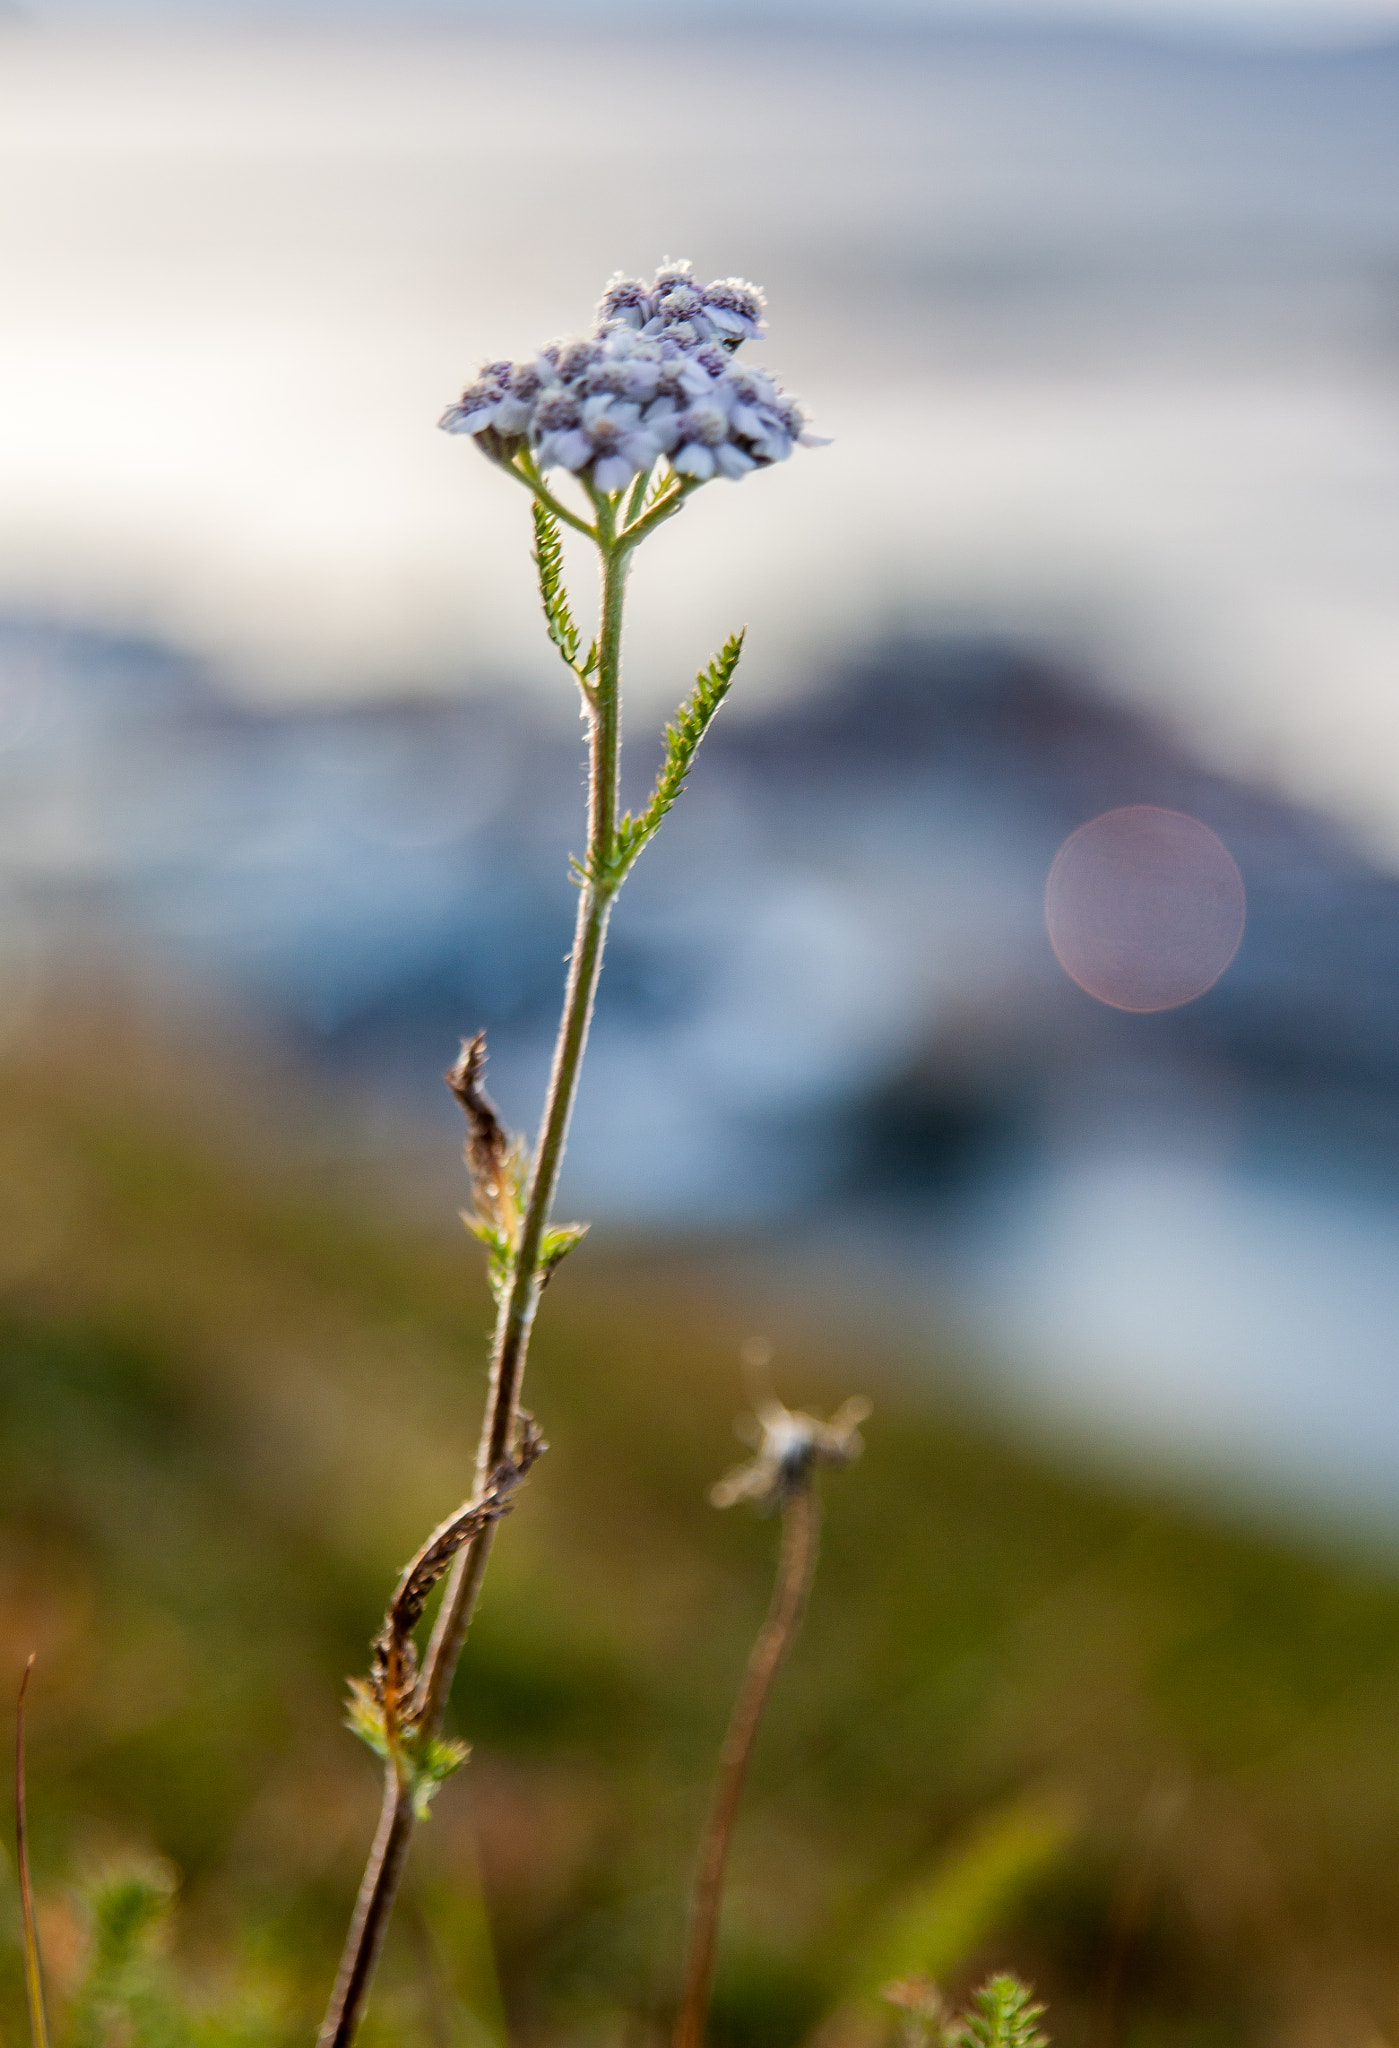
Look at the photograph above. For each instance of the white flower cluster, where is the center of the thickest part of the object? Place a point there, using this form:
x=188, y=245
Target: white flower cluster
x=655, y=378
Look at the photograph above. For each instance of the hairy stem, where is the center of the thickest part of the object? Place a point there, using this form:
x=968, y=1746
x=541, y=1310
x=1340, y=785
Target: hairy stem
x=519, y=1301
x=664, y=508
x=524, y=471
x=796, y=1567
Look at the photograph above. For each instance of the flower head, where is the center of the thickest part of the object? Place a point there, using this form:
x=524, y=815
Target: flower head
x=727, y=311
x=655, y=379
x=788, y=1446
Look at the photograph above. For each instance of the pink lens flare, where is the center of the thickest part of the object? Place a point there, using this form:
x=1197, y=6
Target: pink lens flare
x=1145, y=908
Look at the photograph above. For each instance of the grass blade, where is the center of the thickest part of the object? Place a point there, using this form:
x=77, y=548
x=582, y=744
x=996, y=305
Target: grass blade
x=33, y=1962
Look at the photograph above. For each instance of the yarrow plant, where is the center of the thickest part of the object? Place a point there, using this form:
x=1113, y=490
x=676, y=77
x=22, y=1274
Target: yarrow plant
x=640, y=413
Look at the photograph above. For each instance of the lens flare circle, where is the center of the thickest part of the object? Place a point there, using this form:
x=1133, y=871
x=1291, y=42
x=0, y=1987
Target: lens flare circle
x=1145, y=908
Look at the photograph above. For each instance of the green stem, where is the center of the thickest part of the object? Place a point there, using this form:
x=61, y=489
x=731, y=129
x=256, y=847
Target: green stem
x=664, y=508
x=635, y=497
x=515, y=1317
x=524, y=472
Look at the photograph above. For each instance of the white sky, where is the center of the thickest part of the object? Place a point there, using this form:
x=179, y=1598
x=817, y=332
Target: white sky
x=1324, y=20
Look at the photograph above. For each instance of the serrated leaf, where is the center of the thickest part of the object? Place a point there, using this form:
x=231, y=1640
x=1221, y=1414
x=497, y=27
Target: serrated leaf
x=548, y=560
x=682, y=739
x=692, y=722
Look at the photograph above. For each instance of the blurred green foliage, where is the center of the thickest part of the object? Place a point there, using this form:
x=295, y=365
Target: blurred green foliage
x=1003, y=2015
x=1034, y=1721
x=963, y=1901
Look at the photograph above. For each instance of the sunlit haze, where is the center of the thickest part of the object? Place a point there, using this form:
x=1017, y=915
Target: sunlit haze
x=1105, y=343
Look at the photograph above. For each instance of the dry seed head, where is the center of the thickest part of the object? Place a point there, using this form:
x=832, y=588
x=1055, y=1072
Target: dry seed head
x=790, y=1445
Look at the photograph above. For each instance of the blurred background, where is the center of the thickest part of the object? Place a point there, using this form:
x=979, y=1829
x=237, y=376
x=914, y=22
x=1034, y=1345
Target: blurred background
x=1101, y=310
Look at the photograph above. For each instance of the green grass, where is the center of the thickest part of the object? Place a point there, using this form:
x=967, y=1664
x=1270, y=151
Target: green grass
x=230, y=1409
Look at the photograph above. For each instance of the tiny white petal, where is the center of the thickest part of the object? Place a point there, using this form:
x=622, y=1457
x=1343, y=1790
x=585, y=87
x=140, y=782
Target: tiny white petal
x=640, y=449
x=602, y=409
x=694, y=460
x=732, y=462
x=642, y=379
x=613, y=472
x=709, y=423
x=695, y=379
x=663, y=424
x=511, y=416
x=571, y=449
x=458, y=421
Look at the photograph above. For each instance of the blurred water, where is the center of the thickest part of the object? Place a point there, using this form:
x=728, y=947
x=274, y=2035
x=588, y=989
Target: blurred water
x=1260, y=1313
x=831, y=1011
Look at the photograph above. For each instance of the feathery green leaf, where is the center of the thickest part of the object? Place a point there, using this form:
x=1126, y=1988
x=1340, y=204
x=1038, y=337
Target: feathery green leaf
x=1003, y=2014
x=682, y=739
x=548, y=560
x=127, y=1993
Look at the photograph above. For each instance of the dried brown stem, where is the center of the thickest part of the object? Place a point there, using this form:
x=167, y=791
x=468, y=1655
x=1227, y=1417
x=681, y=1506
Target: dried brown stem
x=796, y=1567
x=488, y=1143
x=393, y=1675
